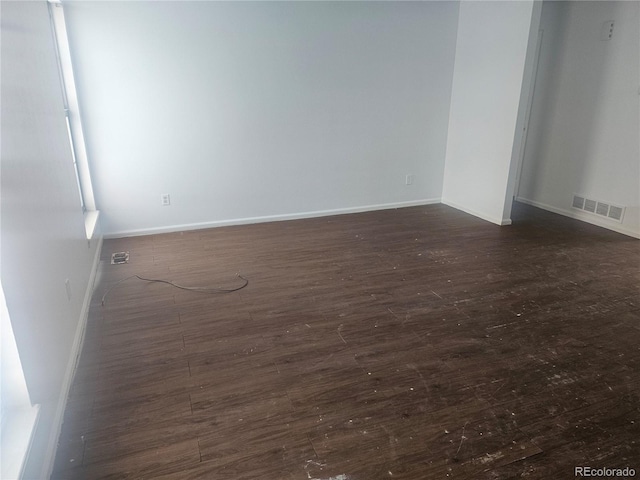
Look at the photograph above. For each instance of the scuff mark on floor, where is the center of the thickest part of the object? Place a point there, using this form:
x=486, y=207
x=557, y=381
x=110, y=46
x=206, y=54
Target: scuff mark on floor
x=340, y=335
x=342, y=476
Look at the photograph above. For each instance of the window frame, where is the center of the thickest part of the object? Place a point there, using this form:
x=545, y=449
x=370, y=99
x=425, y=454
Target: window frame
x=72, y=117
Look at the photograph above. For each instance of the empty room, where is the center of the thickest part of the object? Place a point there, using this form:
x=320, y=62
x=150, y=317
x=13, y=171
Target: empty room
x=324, y=240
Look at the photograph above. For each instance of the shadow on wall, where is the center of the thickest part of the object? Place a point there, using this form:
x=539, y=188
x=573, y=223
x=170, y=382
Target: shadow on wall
x=545, y=97
x=567, y=102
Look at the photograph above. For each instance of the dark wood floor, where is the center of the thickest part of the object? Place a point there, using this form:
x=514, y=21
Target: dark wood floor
x=419, y=343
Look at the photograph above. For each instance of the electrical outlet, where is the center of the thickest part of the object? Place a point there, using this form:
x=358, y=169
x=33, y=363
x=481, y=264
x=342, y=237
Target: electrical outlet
x=408, y=179
x=165, y=198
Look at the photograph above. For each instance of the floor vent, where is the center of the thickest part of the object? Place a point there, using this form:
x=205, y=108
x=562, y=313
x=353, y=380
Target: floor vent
x=578, y=202
x=119, y=258
x=616, y=212
x=590, y=205
x=603, y=209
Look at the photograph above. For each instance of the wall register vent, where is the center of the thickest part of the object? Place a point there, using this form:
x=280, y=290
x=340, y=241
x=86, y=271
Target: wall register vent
x=597, y=207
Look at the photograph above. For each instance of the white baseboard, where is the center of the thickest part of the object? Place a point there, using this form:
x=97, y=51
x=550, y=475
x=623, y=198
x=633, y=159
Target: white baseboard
x=584, y=217
x=269, y=218
x=56, y=428
x=475, y=213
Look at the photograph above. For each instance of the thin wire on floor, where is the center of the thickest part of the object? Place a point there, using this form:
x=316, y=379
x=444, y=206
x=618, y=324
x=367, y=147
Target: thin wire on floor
x=182, y=287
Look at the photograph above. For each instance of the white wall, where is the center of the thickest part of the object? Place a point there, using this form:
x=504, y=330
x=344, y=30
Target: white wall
x=43, y=235
x=584, y=131
x=491, y=55
x=258, y=109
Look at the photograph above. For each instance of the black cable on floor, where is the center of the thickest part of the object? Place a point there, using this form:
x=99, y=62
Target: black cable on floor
x=182, y=287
